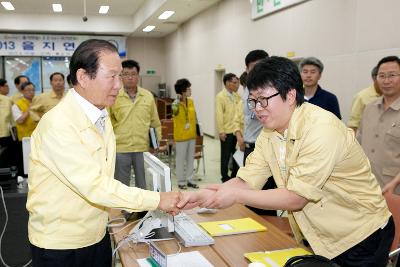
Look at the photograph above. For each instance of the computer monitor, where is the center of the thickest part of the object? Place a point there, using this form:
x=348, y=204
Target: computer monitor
x=156, y=225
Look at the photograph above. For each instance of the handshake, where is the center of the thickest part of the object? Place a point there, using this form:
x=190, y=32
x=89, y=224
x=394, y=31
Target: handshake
x=216, y=196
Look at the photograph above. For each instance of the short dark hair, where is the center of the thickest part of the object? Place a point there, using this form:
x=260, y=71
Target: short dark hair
x=255, y=55
x=388, y=59
x=130, y=64
x=56, y=73
x=243, y=78
x=182, y=85
x=24, y=85
x=229, y=77
x=17, y=79
x=280, y=73
x=86, y=56
x=312, y=61
x=374, y=72
x=69, y=78
x=3, y=82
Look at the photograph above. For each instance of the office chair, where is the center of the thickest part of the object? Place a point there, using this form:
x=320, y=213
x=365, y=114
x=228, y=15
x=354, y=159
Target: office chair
x=393, y=202
x=199, y=154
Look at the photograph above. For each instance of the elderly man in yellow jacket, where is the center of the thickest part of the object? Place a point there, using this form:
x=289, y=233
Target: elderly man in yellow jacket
x=323, y=176
x=71, y=168
x=132, y=115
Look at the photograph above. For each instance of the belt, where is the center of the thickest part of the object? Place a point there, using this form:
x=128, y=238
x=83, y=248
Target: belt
x=250, y=145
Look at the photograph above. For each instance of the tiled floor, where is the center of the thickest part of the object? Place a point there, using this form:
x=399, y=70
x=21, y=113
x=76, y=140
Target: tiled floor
x=212, y=164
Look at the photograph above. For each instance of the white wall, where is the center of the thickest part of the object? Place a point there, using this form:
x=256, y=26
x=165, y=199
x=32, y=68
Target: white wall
x=349, y=36
x=149, y=52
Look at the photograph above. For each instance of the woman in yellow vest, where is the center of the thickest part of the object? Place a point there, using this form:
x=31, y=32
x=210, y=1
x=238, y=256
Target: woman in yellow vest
x=184, y=117
x=24, y=123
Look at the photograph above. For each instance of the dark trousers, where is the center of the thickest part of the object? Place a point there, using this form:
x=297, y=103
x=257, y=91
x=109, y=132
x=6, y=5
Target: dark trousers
x=228, y=148
x=123, y=167
x=97, y=255
x=371, y=252
x=270, y=184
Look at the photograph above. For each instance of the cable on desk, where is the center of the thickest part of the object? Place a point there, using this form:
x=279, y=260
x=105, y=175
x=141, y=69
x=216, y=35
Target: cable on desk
x=4, y=230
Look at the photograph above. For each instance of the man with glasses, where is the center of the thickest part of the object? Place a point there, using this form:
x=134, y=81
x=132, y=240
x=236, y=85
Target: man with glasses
x=311, y=70
x=379, y=132
x=363, y=98
x=248, y=133
x=132, y=115
x=227, y=104
x=323, y=176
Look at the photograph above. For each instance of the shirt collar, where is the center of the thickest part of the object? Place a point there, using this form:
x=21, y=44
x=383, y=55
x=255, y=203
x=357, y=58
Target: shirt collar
x=90, y=110
x=395, y=105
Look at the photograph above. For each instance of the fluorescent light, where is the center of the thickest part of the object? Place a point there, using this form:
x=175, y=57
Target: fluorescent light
x=7, y=5
x=104, y=9
x=166, y=14
x=57, y=7
x=149, y=28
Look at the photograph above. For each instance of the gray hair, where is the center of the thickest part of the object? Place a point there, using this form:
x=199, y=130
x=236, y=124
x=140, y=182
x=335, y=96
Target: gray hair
x=312, y=61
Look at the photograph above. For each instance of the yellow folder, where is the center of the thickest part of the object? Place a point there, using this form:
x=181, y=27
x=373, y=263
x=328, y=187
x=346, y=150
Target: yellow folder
x=275, y=258
x=232, y=227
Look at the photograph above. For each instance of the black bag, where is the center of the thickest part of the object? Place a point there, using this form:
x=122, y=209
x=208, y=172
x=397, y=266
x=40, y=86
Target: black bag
x=310, y=261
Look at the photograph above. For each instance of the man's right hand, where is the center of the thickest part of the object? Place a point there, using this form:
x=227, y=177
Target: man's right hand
x=169, y=201
x=192, y=199
x=222, y=137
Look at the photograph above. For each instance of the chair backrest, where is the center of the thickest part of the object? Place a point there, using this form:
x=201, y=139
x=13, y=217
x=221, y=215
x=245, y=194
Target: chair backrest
x=393, y=202
x=167, y=126
x=198, y=149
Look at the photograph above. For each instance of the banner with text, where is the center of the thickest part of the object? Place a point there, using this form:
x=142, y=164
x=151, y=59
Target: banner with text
x=50, y=45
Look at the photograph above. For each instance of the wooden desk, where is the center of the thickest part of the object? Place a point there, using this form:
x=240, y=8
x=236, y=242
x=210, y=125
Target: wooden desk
x=227, y=250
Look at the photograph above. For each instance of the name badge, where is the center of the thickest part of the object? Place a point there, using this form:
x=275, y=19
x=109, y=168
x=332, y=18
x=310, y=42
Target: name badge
x=187, y=126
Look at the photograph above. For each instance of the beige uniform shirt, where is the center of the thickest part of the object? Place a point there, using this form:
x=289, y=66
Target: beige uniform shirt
x=379, y=135
x=16, y=96
x=361, y=99
x=43, y=103
x=132, y=120
x=321, y=161
x=226, y=107
x=71, y=180
x=5, y=116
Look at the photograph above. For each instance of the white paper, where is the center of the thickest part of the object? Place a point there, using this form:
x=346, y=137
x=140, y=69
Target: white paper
x=239, y=156
x=192, y=259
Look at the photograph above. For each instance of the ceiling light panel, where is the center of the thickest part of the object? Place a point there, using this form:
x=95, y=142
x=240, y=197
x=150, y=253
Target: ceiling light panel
x=149, y=28
x=166, y=14
x=104, y=9
x=7, y=5
x=57, y=7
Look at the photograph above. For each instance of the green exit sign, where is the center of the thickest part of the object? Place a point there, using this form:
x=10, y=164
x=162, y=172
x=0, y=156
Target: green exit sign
x=150, y=72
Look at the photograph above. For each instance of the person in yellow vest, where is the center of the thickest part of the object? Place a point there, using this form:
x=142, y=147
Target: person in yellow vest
x=18, y=81
x=227, y=105
x=184, y=117
x=48, y=100
x=21, y=111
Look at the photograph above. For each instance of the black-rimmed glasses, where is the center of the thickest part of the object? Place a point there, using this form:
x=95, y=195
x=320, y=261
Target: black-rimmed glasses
x=252, y=103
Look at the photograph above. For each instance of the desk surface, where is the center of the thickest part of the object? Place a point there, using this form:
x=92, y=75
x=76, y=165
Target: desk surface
x=227, y=250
